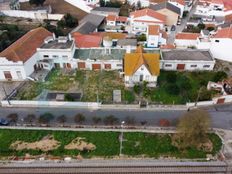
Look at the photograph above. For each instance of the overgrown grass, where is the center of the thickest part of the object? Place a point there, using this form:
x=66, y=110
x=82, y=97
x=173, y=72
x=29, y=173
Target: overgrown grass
x=107, y=144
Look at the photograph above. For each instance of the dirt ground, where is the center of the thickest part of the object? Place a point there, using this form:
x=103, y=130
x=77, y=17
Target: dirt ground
x=79, y=143
x=224, y=66
x=46, y=144
x=60, y=7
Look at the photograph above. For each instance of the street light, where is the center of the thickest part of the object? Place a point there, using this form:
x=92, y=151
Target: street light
x=121, y=138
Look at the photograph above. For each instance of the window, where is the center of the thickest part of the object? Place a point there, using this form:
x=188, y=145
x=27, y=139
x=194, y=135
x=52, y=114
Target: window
x=142, y=69
x=168, y=65
x=217, y=41
x=55, y=56
x=19, y=74
x=65, y=56
x=119, y=65
x=193, y=66
x=206, y=66
x=46, y=56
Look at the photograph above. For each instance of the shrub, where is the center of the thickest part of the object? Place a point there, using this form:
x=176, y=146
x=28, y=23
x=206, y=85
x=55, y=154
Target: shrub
x=171, y=77
x=110, y=120
x=141, y=38
x=201, y=26
x=46, y=118
x=68, y=97
x=12, y=117
x=62, y=119
x=130, y=120
x=30, y=118
x=219, y=76
x=164, y=123
x=129, y=96
x=96, y=119
x=79, y=118
x=172, y=89
x=137, y=89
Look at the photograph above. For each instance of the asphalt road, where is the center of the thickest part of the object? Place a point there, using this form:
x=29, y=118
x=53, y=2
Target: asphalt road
x=221, y=115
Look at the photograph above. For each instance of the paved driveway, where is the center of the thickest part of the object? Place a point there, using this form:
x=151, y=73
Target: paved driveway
x=7, y=88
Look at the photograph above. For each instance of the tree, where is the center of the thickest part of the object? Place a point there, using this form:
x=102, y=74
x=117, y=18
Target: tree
x=139, y=5
x=142, y=38
x=219, y=76
x=171, y=77
x=96, y=119
x=192, y=129
x=102, y=3
x=164, y=123
x=37, y=2
x=70, y=21
x=61, y=119
x=79, y=118
x=13, y=118
x=110, y=120
x=137, y=89
x=30, y=118
x=201, y=26
x=204, y=94
x=46, y=118
x=172, y=88
x=130, y=120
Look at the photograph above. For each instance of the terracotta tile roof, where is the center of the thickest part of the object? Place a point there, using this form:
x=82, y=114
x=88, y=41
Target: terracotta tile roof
x=112, y=35
x=148, y=12
x=116, y=18
x=86, y=40
x=187, y=36
x=26, y=46
x=228, y=18
x=168, y=46
x=217, y=2
x=111, y=18
x=224, y=33
x=133, y=61
x=153, y=30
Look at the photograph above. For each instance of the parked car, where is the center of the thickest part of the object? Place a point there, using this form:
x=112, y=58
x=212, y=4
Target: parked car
x=4, y=122
x=173, y=28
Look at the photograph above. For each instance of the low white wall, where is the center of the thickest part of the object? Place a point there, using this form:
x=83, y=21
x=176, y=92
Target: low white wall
x=39, y=15
x=25, y=103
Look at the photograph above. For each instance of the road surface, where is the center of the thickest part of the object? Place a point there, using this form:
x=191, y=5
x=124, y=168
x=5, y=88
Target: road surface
x=221, y=115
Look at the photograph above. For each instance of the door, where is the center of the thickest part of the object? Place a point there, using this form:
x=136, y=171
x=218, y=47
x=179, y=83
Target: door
x=107, y=66
x=7, y=75
x=81, y=65
x=180, y=66
x=221, y=101
x=141, y=78
x=96, y=66
x=69, y=66
x=19, y=74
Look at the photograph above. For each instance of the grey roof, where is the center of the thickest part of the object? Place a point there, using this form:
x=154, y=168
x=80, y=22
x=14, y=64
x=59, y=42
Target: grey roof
x=192, y=55
x=89, y=24
x=57, y=45
x=167, y=5
x=107, y=9
x=125, y=42
x=205, y=32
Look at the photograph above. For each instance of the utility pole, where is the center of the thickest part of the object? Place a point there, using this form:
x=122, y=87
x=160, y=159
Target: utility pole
x=121, y=138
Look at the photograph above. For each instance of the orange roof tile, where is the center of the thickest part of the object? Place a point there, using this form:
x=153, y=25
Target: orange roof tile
x=133, y=61
x=187, y=36
x=26, y=46
x=111, y=18
x=224, y=33
x=153, y=30
x=149, y=12
x=168, y=46
x=217, y=2
x=86, y=40
x=228, y=18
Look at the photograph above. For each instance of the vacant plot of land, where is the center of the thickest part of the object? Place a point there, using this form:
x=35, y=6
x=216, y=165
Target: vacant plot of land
x=100, y=144
x=93, y=85
x=181, y=87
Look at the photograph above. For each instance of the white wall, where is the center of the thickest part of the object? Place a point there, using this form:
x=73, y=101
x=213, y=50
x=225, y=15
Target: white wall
x=80, y=4
x=38, y=15
x=200, y=65
x=222, y=49
x=153, y=41
x=181, y=43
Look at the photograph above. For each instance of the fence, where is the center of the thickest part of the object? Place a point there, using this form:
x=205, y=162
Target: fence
x=37, y=15
x=25, y=103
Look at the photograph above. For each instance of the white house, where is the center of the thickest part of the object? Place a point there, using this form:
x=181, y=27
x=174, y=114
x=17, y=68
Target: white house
x=221, y=44
x=155, y=36
x=187, y=60
x=18, y=61
x=141, y=67
x=56, y=52
x=180, y=4
x=113, y=20
x=141, y=19
x=186, y=40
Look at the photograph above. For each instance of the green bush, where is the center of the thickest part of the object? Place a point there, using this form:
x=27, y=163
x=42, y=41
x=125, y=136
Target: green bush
x=129, y=96
x=219, y=76
x=172, y=89
x=68, y=97
x=137, y=89
x=46, y=118
x=141, y=38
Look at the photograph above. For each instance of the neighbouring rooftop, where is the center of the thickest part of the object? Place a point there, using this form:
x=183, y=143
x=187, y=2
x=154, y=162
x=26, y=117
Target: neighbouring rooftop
x=192, y=55
x=99, y=54
x=57, y=44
